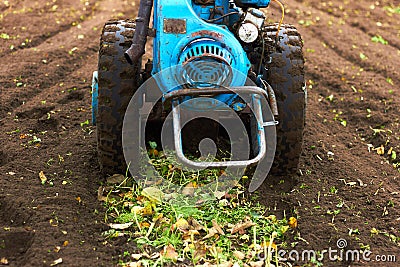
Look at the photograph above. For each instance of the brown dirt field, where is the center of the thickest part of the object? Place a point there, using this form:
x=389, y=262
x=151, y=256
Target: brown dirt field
x=49, y=51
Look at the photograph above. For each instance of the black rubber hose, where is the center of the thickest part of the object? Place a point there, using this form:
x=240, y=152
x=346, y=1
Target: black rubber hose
x=142, y=27
x=221, y=17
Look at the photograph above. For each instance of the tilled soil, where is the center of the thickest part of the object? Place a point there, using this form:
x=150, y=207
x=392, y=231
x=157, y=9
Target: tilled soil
x=347, y=186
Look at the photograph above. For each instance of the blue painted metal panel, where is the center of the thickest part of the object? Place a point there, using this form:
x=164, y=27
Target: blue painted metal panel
x=255, y=3
x=168, y=46
x=95, y=95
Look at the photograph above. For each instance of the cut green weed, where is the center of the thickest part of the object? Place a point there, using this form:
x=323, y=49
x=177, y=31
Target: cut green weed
x=226, y=229
x=379, y=39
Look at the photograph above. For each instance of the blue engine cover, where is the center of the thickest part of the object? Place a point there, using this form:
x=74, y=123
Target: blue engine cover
x=183, y=37
x=253, y=3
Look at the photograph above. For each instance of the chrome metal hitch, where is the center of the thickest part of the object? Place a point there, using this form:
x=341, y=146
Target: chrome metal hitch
x=257, y=94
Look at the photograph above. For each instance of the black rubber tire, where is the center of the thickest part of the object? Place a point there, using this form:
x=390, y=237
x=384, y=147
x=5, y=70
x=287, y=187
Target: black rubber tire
x=118, y=81
x=285, y=74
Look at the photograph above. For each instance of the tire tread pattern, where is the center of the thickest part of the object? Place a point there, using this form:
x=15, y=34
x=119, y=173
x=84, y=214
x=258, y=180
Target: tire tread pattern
x=118, y=81
x=286, y=76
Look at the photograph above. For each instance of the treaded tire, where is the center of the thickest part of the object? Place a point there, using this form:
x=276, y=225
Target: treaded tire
x=118, y=81
x=286, y=76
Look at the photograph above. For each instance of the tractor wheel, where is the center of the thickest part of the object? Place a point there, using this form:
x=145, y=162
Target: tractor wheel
x=285, y=74
x=118, y=81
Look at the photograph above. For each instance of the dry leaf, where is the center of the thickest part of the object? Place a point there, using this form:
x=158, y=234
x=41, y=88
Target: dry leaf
x=141, y=199
x=100, y=196
x=56, y=262
x=195, y=225
x=168, y=197
x=120, y=226
x=144, y=225
x=380, y=150
x=225, y=264
x=136, y=256
x=153, y=152
x=200, y=250
x=134, y=264
x=189, y=234
x=188, y=190
x=292, y=222
x=137, y=209
x=147, y=209
x=42, y=177
x=211, y=232
x=217, y=227
x=116, y=179
x=153, y=194
x=219, y=194
x=239, y=255
x=188, y=247
x=374, y=231
x=240, y=227
x=53, y=222
x=3, y=261
x=182, y=224
x=256, y=263
x=170, y=253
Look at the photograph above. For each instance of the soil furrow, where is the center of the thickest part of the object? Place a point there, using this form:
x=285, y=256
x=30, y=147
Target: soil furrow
x=356, y=47
x=368, y=17
x=19, y=25
x=348, y=185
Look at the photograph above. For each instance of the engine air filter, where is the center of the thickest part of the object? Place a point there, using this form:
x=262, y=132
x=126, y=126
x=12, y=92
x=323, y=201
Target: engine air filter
x=206, y=63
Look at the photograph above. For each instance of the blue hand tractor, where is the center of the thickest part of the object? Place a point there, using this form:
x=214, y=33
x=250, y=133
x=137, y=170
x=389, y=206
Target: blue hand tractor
x=223, y=49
